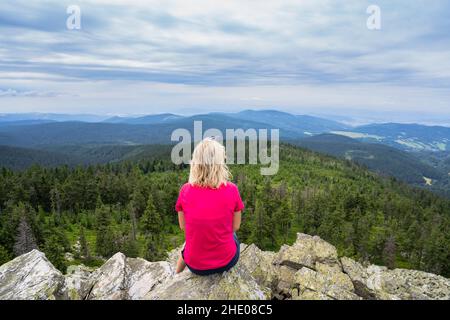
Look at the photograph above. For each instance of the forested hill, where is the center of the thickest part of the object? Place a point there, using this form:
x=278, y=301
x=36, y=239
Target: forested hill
x=93, y=212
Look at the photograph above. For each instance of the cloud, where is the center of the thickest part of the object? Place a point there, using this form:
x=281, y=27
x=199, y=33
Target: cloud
x=20, y=93
x=206, y=47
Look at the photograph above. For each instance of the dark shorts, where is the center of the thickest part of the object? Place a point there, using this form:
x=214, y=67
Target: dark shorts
x=227, y=267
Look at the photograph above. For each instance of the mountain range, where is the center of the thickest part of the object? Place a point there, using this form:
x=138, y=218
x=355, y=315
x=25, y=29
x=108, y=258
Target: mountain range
x=414, y=153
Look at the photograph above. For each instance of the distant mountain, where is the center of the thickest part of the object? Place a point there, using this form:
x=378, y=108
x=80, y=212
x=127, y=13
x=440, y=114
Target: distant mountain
x=380, y=147
x=78, y=133
x=380, y=158
x=150, y=119
x=410, y=137
x=300, y=124
x=14, y=117
x=24, y=122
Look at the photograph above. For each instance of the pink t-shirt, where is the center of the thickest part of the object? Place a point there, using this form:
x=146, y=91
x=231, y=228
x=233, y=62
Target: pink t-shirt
x=208, y=215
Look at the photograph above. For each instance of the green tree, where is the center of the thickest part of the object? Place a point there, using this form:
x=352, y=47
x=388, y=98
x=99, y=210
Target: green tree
x=54, y=251
x=104, y=245
x=151, y=221
x=389, y=252
x=155, y=248
x=84, y=248
x=131, y=247
x=283, y=220
x=25, y=240
x=152, y=228
x=4, y=255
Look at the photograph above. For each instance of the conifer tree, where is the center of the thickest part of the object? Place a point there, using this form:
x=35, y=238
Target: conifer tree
x=151, y=221
x=4, y=255
x=104, y=244
x=25, y=240
x=84, y=248
x=152, y=225
x=54, y=252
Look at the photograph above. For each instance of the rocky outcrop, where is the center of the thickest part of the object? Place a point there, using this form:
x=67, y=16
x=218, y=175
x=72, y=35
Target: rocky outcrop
x=375, y=282
x=30, y=276
x=77, y=283
x=310, y=269
x=306, y=252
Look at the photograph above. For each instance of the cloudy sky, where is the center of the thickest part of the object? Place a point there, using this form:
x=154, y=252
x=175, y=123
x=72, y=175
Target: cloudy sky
x=189, y=56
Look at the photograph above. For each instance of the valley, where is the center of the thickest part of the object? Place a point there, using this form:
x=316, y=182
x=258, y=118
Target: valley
x=87, y=214
x=409, y=152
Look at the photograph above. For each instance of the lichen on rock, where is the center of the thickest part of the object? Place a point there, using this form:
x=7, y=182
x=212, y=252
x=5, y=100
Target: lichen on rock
x=30, y=277
x=306, y=251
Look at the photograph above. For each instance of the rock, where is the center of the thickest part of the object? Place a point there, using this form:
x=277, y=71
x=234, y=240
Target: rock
x=260, y=264
x=285, y=281
x=408, y=285
x=247, y=280
x=109, y=281
x=358, y=274
x=306, y=251
x=308, y=294
x=173, y=255
x=236, y=284
x=354, y=269
x=122, y=278
x=146, y=276
x=307, y=270
x=374, y=277
x=69, y=257
x=335, y=275
x=329, y=281
x=30, y=277
x=375, y=282
x=77, y=283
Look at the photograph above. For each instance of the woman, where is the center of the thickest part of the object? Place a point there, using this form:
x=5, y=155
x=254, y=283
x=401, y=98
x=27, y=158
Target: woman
x=209, y=211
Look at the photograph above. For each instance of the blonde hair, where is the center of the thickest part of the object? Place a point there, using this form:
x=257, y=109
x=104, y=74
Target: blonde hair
x=208, y=168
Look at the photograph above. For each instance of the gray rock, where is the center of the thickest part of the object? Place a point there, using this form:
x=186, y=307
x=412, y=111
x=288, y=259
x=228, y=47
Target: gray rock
x=122, y=278
x=110, y=280
x=306, y=251
x=30, y=277
x=236, y=284
x=376, y=282
x=77, y=283
x=285, y=281
x=307, y=270
x=260, y=264
x=328, y=281
x=407, y=284
x=354, y=269
x=146, y=276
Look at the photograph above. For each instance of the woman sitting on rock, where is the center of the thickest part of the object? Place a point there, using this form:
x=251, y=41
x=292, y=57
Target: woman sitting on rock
x=209, y=211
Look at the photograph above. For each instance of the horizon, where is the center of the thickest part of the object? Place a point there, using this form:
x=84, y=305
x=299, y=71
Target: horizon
x=350, y=120
x=309, y=57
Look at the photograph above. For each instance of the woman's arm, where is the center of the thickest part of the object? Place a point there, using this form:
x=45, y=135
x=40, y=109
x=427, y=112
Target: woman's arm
x=236, y=221
x=181, y=219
